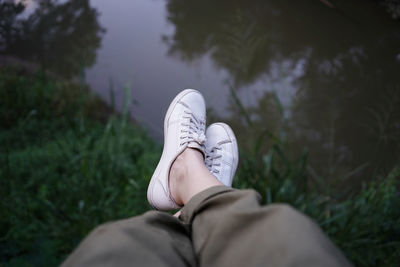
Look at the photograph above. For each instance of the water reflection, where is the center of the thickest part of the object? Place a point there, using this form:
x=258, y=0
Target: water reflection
x=341, y=60
x=61, y=36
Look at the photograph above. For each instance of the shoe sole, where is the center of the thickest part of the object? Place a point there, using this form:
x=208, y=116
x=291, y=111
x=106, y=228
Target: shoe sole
x=163, y=169
x=233, y=139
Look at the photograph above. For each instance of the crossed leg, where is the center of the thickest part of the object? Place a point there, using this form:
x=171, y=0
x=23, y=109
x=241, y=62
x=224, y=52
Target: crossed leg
x=218, y=226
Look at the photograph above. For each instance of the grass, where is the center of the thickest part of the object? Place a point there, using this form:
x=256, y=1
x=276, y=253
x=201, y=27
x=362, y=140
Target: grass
x=64, y=169
x=366, y=225
x=68, y=163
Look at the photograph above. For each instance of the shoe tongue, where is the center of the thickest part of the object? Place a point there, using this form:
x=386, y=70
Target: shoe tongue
x=214, y=134
x=211, y=142
x=197, y=146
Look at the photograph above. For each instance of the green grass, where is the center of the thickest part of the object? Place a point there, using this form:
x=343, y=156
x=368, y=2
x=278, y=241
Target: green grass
x=365, y=225
x=63, y=170
x=68, y=163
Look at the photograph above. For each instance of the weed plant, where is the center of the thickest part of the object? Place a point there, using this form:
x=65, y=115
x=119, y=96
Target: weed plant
x=63, y=171
x=364, y=224
x=67, y=164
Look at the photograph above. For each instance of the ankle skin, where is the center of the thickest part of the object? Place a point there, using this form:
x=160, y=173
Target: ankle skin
x=189, y=176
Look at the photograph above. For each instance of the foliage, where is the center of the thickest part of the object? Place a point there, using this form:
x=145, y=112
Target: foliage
x=63, y=36
x=366, y=225
x=65, y=167
x=339, y=96
x=62, y=171
x=364, y=222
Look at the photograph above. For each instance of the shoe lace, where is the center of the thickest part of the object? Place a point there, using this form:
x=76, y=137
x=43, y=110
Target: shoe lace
x=194, y=129
x=212, y=157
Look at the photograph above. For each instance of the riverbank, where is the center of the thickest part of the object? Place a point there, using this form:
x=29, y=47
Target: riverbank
x=68, y=162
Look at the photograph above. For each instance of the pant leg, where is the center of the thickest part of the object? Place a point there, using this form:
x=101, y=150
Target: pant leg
x=231, y=228
x=153, y=239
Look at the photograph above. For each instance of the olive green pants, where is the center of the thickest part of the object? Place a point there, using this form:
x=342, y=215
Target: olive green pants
x=220, y=226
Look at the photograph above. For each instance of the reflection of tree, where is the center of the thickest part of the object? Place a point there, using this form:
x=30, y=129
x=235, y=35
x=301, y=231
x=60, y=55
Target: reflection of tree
x=336, y=107
x=9, y=26
x=350, y=51
x=260, y=31
x=243, y=50
x=61, y=36
x=228, y=30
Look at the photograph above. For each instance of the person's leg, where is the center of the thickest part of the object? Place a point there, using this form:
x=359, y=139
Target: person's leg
x=152, y=239
x=221, y=226
x=228, y=228
x=231, y=228
x=156, y=238
x=189, y=176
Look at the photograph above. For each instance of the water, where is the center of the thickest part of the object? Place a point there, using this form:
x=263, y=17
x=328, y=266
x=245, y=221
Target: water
x=133, y=53
x=320, y=75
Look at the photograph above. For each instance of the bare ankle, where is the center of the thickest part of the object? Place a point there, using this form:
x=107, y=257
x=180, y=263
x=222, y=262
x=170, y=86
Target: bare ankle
x=189, y=176
x=177, y=175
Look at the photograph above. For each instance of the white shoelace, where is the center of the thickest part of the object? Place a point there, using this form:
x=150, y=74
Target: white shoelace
x=212, y=157
x=194, y=129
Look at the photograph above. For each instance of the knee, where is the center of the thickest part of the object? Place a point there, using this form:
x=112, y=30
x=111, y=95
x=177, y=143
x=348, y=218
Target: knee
x=287, y=213
x=284, y=208
x=103, y=229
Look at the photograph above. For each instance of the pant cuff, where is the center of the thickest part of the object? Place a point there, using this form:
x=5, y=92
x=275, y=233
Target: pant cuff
x=191, y=208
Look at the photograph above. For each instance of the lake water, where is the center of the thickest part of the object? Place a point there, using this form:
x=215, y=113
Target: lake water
x=320, y=75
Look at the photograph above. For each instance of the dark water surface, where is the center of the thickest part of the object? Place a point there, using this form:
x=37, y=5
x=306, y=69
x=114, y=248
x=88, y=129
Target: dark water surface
x=317, y=74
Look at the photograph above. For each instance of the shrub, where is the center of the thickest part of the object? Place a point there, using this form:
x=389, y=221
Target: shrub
x=68, y=164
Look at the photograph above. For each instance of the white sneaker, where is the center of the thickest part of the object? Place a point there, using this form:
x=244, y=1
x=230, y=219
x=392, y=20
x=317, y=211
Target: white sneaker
x=222, y=155
x=184, y=126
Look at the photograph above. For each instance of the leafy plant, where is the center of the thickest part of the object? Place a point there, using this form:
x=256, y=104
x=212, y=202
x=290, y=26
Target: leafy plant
x=62, y=170
x=68, y=163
